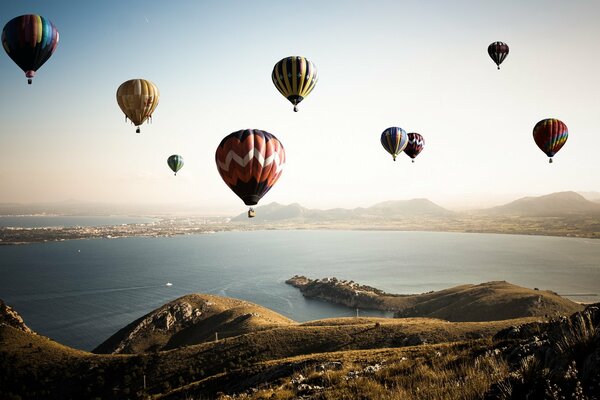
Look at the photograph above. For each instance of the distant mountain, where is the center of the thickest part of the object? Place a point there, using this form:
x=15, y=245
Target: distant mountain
x=402, y=208
x=387, y=210
x=551, y=205
x=592, y=196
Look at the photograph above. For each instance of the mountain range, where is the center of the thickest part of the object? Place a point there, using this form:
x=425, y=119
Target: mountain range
x=551, y=205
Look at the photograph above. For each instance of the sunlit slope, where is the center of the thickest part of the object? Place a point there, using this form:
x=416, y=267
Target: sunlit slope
x=191, y=319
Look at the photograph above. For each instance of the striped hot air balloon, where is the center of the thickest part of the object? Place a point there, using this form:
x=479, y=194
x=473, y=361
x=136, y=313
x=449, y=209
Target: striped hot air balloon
x=394, y=140
x=138, y=99
x=415, y=145
x=175, y=162
x=498, y=51
x=550, y=135
x=30, y=40
x=295, y=77
x=250, y=161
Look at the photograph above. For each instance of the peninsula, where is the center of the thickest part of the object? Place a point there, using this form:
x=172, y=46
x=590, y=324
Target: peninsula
x=498, y=300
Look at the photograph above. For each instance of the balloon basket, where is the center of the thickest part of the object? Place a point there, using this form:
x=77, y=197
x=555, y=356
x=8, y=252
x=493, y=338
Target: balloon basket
x=251, y=213
x=29, y=81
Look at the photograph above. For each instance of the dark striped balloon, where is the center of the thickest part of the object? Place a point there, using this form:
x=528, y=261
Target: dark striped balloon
x=394, y=140
x=415, y=145
x=29, y=40
x=175, y=162
x=250, y=161
x=498, y=51
x=550, y=135
x=295, y=77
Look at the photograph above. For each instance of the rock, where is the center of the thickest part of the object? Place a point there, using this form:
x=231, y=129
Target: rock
x=414, y=340
x=11, y=318
x=328, y=366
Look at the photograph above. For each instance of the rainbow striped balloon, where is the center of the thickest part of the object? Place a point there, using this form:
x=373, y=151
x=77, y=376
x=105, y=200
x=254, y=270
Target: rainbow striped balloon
x=394, y=140
x=29, y=40
x=550, y=135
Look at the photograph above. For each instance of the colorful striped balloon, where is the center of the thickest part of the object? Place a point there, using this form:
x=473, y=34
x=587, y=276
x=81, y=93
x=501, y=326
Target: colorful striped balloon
x=175, y=162
x=29, y=40
x=498, y=51
x=250, y=162
x=295, y=77
x=415, y=145
x=550, y=135
x=394, y=140
x=138, y=98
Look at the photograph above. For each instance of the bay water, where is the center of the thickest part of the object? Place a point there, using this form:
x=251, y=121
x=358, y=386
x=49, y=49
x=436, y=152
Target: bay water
x=80, y=292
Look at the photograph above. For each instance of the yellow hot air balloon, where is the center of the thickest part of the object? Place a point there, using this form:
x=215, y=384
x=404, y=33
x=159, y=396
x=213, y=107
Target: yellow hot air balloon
x=138, y=99
x=295, y=77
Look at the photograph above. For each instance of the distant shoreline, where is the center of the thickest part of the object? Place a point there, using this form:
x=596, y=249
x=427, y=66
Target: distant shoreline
x=168, y=227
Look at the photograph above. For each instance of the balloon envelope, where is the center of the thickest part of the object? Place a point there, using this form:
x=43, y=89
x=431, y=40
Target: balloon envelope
x=295, y=77
x=29, y=40
x=550, y=135
x=250, y=161
x=498, y=52
x=415, y=145
x=138, y=99
x=394, y=140
x=175, y=162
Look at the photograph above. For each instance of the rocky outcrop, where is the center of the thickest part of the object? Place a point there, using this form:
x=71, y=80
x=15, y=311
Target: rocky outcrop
x=147, y=332
x=189, y=320
x=555, y=360
x=347, y=293
x=11, y=318
x=171, y=318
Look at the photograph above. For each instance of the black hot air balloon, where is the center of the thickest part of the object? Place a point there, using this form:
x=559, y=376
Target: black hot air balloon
x=498, y=51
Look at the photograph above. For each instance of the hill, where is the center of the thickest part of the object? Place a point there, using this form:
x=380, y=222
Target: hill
x=191, y=319
x=551, y=205
x=484, y=302
x=338, y=358
x=387, y=210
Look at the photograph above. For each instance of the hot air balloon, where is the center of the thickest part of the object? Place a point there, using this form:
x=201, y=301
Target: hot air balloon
x=415, y=145
x=295, y=77
x=550, y=135
x=138, y=99
x=175, y=162
x=394, y=140
x=250, y=162
x=29, y=40
x=498, y=51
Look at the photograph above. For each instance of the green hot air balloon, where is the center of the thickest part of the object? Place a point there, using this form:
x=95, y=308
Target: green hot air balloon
x=175, y=162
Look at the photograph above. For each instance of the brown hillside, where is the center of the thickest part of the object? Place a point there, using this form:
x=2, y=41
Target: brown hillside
x=191, y=319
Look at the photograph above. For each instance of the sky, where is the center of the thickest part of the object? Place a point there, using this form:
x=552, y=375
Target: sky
x=420, y=65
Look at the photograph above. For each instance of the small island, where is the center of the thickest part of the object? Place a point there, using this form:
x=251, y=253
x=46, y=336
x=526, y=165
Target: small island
x=497, y=300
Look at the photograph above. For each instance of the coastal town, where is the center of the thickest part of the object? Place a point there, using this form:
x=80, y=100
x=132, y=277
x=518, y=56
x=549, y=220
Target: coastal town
x=160, y=228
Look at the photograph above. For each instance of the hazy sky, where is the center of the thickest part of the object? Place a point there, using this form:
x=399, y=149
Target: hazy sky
x=420, y=65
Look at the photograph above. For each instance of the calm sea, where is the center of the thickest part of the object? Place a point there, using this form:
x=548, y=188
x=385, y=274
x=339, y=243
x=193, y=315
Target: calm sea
x=80, y=292
x=44, y=221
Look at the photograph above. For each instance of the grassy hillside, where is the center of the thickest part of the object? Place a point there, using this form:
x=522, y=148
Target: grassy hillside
x=346, y=358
